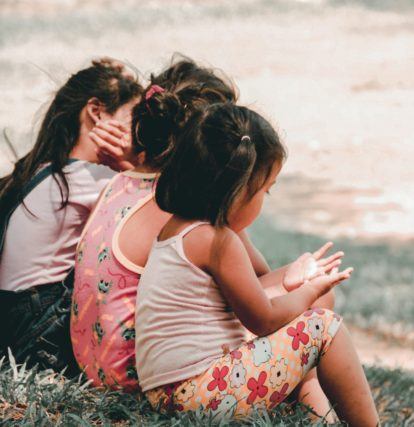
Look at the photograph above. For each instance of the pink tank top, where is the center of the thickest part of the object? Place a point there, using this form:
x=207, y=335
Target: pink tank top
x=183, y=322
x=103, y=306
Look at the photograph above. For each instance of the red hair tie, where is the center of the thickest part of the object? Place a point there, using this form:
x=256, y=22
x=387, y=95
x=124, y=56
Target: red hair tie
x=153, y=89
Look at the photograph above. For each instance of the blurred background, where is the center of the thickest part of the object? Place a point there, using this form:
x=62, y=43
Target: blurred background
x=335, y=77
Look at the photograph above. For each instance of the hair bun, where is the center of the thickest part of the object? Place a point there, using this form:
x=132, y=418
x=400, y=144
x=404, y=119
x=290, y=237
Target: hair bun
x=164, y=106
x=159, y=115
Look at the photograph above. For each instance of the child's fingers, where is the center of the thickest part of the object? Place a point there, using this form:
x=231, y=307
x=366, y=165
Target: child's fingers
x=322, y=250
x=108, y=148
x=110, y=128
x=338, y=277
x=328, y=268
x=108, y=137
x=326, y=282
x=121, y=126
x=325, y=261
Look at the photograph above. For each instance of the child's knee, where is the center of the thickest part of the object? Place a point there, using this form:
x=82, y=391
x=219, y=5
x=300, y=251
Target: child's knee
x=321, y=324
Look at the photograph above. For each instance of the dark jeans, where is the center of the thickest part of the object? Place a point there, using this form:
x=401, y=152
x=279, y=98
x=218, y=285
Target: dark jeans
x=35, y=325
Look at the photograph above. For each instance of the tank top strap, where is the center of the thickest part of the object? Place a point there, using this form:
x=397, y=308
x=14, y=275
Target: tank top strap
x=187, y=229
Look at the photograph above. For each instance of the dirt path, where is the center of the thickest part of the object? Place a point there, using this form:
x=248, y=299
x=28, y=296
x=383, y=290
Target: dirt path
x=373, y=350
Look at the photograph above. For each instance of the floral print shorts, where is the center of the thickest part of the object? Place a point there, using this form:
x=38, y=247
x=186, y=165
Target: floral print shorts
x=258, y=375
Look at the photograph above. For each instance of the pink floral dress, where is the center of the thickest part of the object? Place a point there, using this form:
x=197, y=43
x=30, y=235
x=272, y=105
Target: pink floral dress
x=103, y=306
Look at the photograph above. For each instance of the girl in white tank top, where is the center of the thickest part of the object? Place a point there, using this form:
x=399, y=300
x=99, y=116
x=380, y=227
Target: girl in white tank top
x=199, y=290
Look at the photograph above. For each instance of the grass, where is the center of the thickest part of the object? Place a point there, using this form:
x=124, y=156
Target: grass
x=32, y=398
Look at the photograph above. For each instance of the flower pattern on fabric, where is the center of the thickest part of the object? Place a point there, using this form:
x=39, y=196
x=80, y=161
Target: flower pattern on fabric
x=278, y=373
x=316, y=327
x=236, y=355
x=298, y=335
x=304, y=358
x=185, y=392
x=334, y=326
x=237, y=375
x=262, y=351
x=223, y=394
x=250, y=345
x=219, y=381
x=225, y=408
x=279, y=396
x=311, y=311
x=257, y=387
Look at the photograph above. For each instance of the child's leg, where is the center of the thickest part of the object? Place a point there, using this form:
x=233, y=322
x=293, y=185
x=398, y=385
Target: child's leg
x=260, y=374
x=343, y=380
x=309, y=391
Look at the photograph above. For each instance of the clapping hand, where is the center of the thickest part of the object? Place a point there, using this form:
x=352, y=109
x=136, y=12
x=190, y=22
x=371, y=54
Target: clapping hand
x=309, y=266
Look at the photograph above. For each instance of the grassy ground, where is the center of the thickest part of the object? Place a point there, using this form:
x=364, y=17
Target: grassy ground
x=30, y=398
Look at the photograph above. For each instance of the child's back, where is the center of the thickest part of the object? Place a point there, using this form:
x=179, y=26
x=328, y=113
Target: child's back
x=102, y=321
x=200, y=287
x=183, y=322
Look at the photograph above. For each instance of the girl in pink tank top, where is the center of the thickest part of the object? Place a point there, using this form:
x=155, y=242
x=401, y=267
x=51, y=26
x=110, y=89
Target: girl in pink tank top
x=106, y=280
x=105, y=285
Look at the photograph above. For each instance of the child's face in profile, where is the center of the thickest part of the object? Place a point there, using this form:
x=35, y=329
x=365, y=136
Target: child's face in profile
x=245, y=210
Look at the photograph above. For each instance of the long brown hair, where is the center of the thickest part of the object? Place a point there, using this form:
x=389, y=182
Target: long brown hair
x=105, y=80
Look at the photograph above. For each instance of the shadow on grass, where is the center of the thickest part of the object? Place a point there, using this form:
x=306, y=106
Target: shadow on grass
x=380, y=291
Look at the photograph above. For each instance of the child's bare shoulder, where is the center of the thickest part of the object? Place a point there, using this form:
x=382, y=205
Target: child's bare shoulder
x=206, y=240
x=209, y=235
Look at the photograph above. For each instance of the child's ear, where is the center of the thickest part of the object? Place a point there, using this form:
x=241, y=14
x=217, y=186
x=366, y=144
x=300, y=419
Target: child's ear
x=94, y=109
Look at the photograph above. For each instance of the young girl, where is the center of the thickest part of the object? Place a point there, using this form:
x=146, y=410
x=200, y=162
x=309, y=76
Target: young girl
x=199, y=289
x=44, y=205
x=116, y=240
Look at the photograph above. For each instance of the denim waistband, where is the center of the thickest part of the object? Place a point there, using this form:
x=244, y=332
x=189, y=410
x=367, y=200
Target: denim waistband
x=36, y=297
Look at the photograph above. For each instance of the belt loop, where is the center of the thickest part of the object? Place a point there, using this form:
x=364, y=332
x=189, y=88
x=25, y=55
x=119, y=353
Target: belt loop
x=35, y=302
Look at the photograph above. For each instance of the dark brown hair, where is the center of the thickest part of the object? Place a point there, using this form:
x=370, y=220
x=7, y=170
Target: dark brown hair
x=187, y=87
x=222, y=150
x=105, y=80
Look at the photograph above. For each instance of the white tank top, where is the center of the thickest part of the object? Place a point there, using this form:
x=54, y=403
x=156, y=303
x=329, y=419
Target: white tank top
x=183, y=322
x=39, y=247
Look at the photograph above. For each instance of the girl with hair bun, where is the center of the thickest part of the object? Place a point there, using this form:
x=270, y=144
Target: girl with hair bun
x=115, y=243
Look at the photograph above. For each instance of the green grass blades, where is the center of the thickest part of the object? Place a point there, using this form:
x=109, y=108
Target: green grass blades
x=40, y=398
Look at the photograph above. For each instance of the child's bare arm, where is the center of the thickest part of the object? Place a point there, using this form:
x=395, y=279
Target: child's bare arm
x=260, y=265
x=233, y=271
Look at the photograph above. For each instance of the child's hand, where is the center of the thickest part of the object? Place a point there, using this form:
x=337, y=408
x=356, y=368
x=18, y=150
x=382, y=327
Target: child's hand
x=114, y=147
x=324, y=283
x=308, y=266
